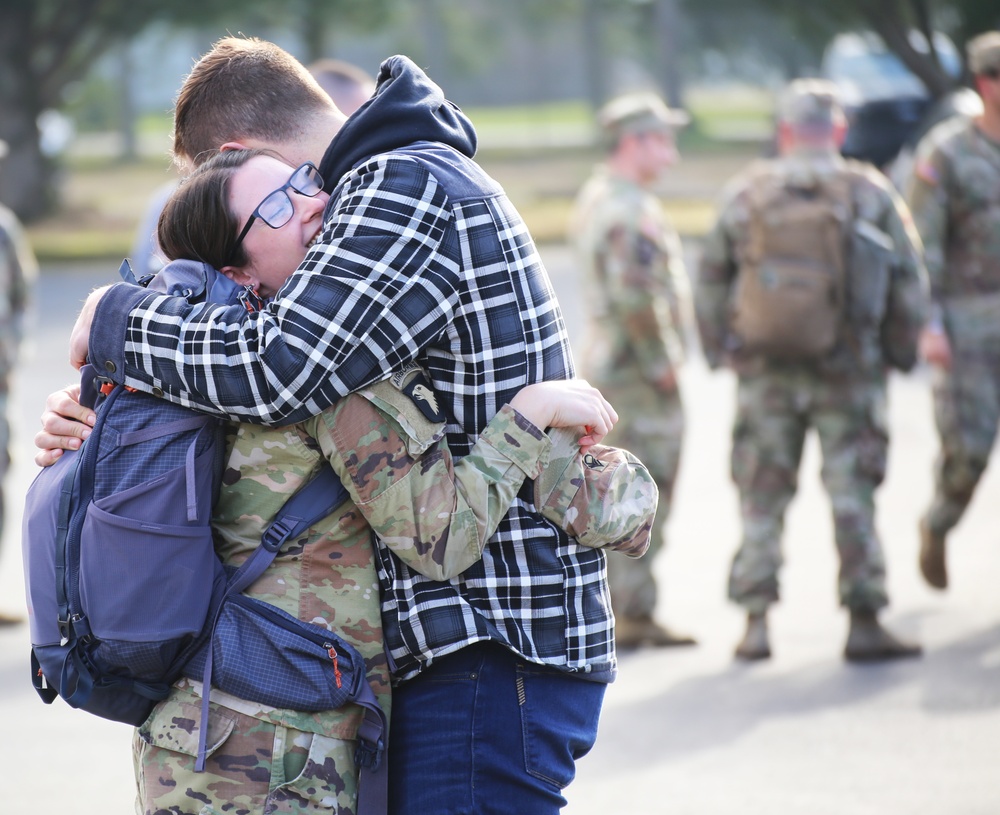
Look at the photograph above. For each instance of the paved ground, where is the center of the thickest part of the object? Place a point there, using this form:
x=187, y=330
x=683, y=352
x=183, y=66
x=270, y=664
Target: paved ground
x=686, y=732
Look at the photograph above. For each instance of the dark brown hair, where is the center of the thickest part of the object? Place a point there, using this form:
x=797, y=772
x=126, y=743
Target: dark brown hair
x=243, y=88
x=197, y=222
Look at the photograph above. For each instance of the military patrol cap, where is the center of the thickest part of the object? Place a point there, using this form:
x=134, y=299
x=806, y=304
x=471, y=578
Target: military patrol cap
x=639, y=112
x=810, y=103
x=604, y=498
x=984, y=52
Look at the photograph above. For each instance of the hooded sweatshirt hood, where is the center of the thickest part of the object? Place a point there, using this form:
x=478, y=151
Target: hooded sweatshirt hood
x=407, y=107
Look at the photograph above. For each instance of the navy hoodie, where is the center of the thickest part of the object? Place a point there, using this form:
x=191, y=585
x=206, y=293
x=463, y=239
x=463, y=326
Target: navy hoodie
x=406, y=108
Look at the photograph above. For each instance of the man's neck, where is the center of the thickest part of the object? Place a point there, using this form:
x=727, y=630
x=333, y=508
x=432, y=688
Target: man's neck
x=319, y=135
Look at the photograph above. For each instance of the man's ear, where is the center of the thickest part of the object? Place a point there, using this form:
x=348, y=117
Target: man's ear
x=238, y=276
x=232, y=145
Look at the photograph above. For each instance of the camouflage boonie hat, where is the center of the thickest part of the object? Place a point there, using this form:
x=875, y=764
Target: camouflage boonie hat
x=810, y=103
x=605, y=498
x=639, y=112
x=984, y=52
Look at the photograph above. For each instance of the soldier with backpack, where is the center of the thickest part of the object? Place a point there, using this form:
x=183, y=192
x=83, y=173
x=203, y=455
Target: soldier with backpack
x=810, y=288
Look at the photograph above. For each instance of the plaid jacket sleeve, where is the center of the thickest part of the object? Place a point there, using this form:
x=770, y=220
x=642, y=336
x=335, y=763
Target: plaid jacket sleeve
x=380, y=286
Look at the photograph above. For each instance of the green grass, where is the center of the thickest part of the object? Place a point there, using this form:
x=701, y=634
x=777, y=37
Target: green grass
x=541, y=154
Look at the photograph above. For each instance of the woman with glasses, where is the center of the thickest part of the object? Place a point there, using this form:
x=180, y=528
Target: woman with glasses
x=253, y=217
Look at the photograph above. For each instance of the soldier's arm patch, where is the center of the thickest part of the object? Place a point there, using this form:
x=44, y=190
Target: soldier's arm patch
x=418, y=387
x=411, y=401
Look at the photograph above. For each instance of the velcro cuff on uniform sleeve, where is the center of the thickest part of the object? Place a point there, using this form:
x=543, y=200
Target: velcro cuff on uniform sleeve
x=518, y=440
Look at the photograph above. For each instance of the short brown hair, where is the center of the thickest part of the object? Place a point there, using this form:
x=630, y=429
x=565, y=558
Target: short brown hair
x=197, y=223
x=243, y=88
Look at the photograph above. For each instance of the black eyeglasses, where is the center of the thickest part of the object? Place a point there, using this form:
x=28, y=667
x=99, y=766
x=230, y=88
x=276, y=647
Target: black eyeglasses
x=277, y=208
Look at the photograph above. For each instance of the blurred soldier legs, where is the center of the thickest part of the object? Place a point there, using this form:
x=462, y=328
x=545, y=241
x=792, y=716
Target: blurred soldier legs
x=966, y=411
x=655, y=434
x=774, y=413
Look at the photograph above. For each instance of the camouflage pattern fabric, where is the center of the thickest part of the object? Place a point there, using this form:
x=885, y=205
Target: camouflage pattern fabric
x=263, y=767
x=638, y=298
x=886, y=287
x=841, y=395
x=435, y=513
x=954, y=194
x=774, y=413
x=18, y=269
x=605, y=499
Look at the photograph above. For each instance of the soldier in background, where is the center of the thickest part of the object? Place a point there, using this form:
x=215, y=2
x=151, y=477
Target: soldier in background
x=638, y=295
x=18, y=269
x=809, y=288
x=954, y=194
x=347, y=85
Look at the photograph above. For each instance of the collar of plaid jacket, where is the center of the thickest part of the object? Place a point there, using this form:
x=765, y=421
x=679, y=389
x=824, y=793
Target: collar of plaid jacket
x=407, y=107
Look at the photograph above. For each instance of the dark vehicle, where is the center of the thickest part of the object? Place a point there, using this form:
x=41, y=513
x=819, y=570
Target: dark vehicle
x=886, y=103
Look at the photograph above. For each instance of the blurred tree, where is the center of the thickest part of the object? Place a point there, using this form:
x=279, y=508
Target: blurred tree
x=320, y=22
x=815, y=23
x=47, y=44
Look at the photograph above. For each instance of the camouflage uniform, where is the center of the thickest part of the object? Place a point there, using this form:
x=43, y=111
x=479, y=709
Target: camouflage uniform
x=436, y=514
x=954, y=195
x=293, y=761
x=637, y=293
x=841, y=394
x=18, y=269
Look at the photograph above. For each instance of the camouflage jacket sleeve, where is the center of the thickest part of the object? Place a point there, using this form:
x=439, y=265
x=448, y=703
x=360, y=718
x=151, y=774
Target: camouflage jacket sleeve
x=646, y=288
x=434, y=512
x=716, y=271
x=677, y=289
x=907, y=303
x=927, y=198
x=605, y=498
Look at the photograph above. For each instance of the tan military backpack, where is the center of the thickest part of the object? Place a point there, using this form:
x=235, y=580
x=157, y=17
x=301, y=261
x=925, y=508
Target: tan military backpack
x=789, y=294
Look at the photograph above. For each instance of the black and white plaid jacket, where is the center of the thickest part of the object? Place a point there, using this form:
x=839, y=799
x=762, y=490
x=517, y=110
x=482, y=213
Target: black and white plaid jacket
x=422, y=258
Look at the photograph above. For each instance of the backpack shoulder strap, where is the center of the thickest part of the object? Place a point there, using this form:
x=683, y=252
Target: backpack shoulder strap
x=317, y=499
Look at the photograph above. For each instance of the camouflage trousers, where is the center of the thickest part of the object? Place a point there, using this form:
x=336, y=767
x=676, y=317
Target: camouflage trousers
x=775, y=410
x=255, y=768
x=651, y=425
x=966, y=412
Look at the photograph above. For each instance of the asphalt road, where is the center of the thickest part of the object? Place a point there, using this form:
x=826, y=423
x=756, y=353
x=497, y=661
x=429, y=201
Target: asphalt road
x=686, y=731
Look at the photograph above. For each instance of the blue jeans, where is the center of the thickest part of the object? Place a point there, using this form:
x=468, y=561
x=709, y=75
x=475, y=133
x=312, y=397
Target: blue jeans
x=482, y=731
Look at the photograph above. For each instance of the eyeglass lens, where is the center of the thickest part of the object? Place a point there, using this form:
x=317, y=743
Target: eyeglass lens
x=277, y=208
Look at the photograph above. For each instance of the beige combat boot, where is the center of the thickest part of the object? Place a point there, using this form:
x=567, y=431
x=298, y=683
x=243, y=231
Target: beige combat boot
x=932, y=556
x=637, y=632
x=868, y=641
x=755, y=643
